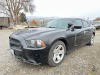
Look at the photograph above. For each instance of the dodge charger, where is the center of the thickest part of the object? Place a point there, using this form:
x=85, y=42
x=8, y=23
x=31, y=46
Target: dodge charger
x=51, y=43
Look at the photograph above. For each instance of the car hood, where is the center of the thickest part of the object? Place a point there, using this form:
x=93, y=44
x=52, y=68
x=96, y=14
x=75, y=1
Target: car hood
x=26, y=33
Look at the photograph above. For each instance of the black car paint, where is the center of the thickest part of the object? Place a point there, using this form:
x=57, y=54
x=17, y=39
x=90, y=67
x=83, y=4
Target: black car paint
x=72, y=39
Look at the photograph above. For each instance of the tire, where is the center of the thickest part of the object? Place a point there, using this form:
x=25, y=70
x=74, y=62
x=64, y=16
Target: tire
x=91, y=40
x=56, y=53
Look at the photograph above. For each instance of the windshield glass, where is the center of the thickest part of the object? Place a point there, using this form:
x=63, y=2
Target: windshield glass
x=59, y=23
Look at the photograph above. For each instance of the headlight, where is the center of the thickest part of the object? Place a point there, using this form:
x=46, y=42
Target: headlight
x=35, y=43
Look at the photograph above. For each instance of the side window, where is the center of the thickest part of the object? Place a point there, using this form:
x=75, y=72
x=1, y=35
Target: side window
x=78, y=23
x=86, y=24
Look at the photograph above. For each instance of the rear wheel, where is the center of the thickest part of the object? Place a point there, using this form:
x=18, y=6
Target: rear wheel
x=91, y=40
x=56, y=53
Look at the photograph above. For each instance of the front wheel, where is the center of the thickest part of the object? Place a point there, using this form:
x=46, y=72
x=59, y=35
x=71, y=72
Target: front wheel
x=56, y=53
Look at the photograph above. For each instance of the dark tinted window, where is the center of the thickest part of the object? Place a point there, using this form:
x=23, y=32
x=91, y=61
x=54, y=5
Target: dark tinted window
x=78, y=23
x=86, y=24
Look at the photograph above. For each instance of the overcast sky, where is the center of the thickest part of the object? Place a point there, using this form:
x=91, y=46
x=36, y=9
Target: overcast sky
x=67, y=8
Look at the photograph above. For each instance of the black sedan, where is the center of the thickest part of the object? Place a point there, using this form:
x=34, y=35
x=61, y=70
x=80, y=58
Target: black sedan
x=51, y=43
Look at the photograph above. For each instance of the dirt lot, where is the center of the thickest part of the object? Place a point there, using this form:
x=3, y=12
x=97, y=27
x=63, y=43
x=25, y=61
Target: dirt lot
x=84, y=61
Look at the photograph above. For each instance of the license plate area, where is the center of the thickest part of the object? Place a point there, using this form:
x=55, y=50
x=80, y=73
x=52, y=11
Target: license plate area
x=12, y=51
x=16, y=48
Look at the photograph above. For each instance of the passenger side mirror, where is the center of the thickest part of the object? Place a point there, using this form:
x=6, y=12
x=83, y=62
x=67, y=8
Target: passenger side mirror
x=73, y=27
x=77, y=27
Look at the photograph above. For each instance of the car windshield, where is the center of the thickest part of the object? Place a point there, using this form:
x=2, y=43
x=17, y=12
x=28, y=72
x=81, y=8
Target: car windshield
x=59, y=23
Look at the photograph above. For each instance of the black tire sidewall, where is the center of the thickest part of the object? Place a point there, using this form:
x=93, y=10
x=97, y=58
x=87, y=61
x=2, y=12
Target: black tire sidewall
x=50, y=55
x=90, y=40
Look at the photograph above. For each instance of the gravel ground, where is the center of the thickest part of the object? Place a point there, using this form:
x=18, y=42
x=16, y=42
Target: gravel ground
x=83, y=61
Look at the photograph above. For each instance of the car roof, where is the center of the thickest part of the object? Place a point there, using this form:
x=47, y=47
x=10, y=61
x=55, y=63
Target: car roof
x=70, y=18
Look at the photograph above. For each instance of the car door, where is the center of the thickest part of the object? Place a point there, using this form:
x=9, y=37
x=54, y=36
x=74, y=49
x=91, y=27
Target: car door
x=79, y=33
x=75, y=38
x=87, y=32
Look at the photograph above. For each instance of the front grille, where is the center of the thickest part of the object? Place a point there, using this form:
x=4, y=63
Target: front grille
x=38, y=56
x=15, y=44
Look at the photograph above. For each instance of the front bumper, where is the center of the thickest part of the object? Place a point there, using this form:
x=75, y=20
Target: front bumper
x=29, y=55
x=32, y=56
x=28, y=61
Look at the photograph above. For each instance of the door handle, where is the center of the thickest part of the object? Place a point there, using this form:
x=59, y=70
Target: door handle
x=85, y=32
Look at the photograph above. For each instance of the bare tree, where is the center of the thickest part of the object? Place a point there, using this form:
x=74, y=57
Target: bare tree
x=12, y=8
